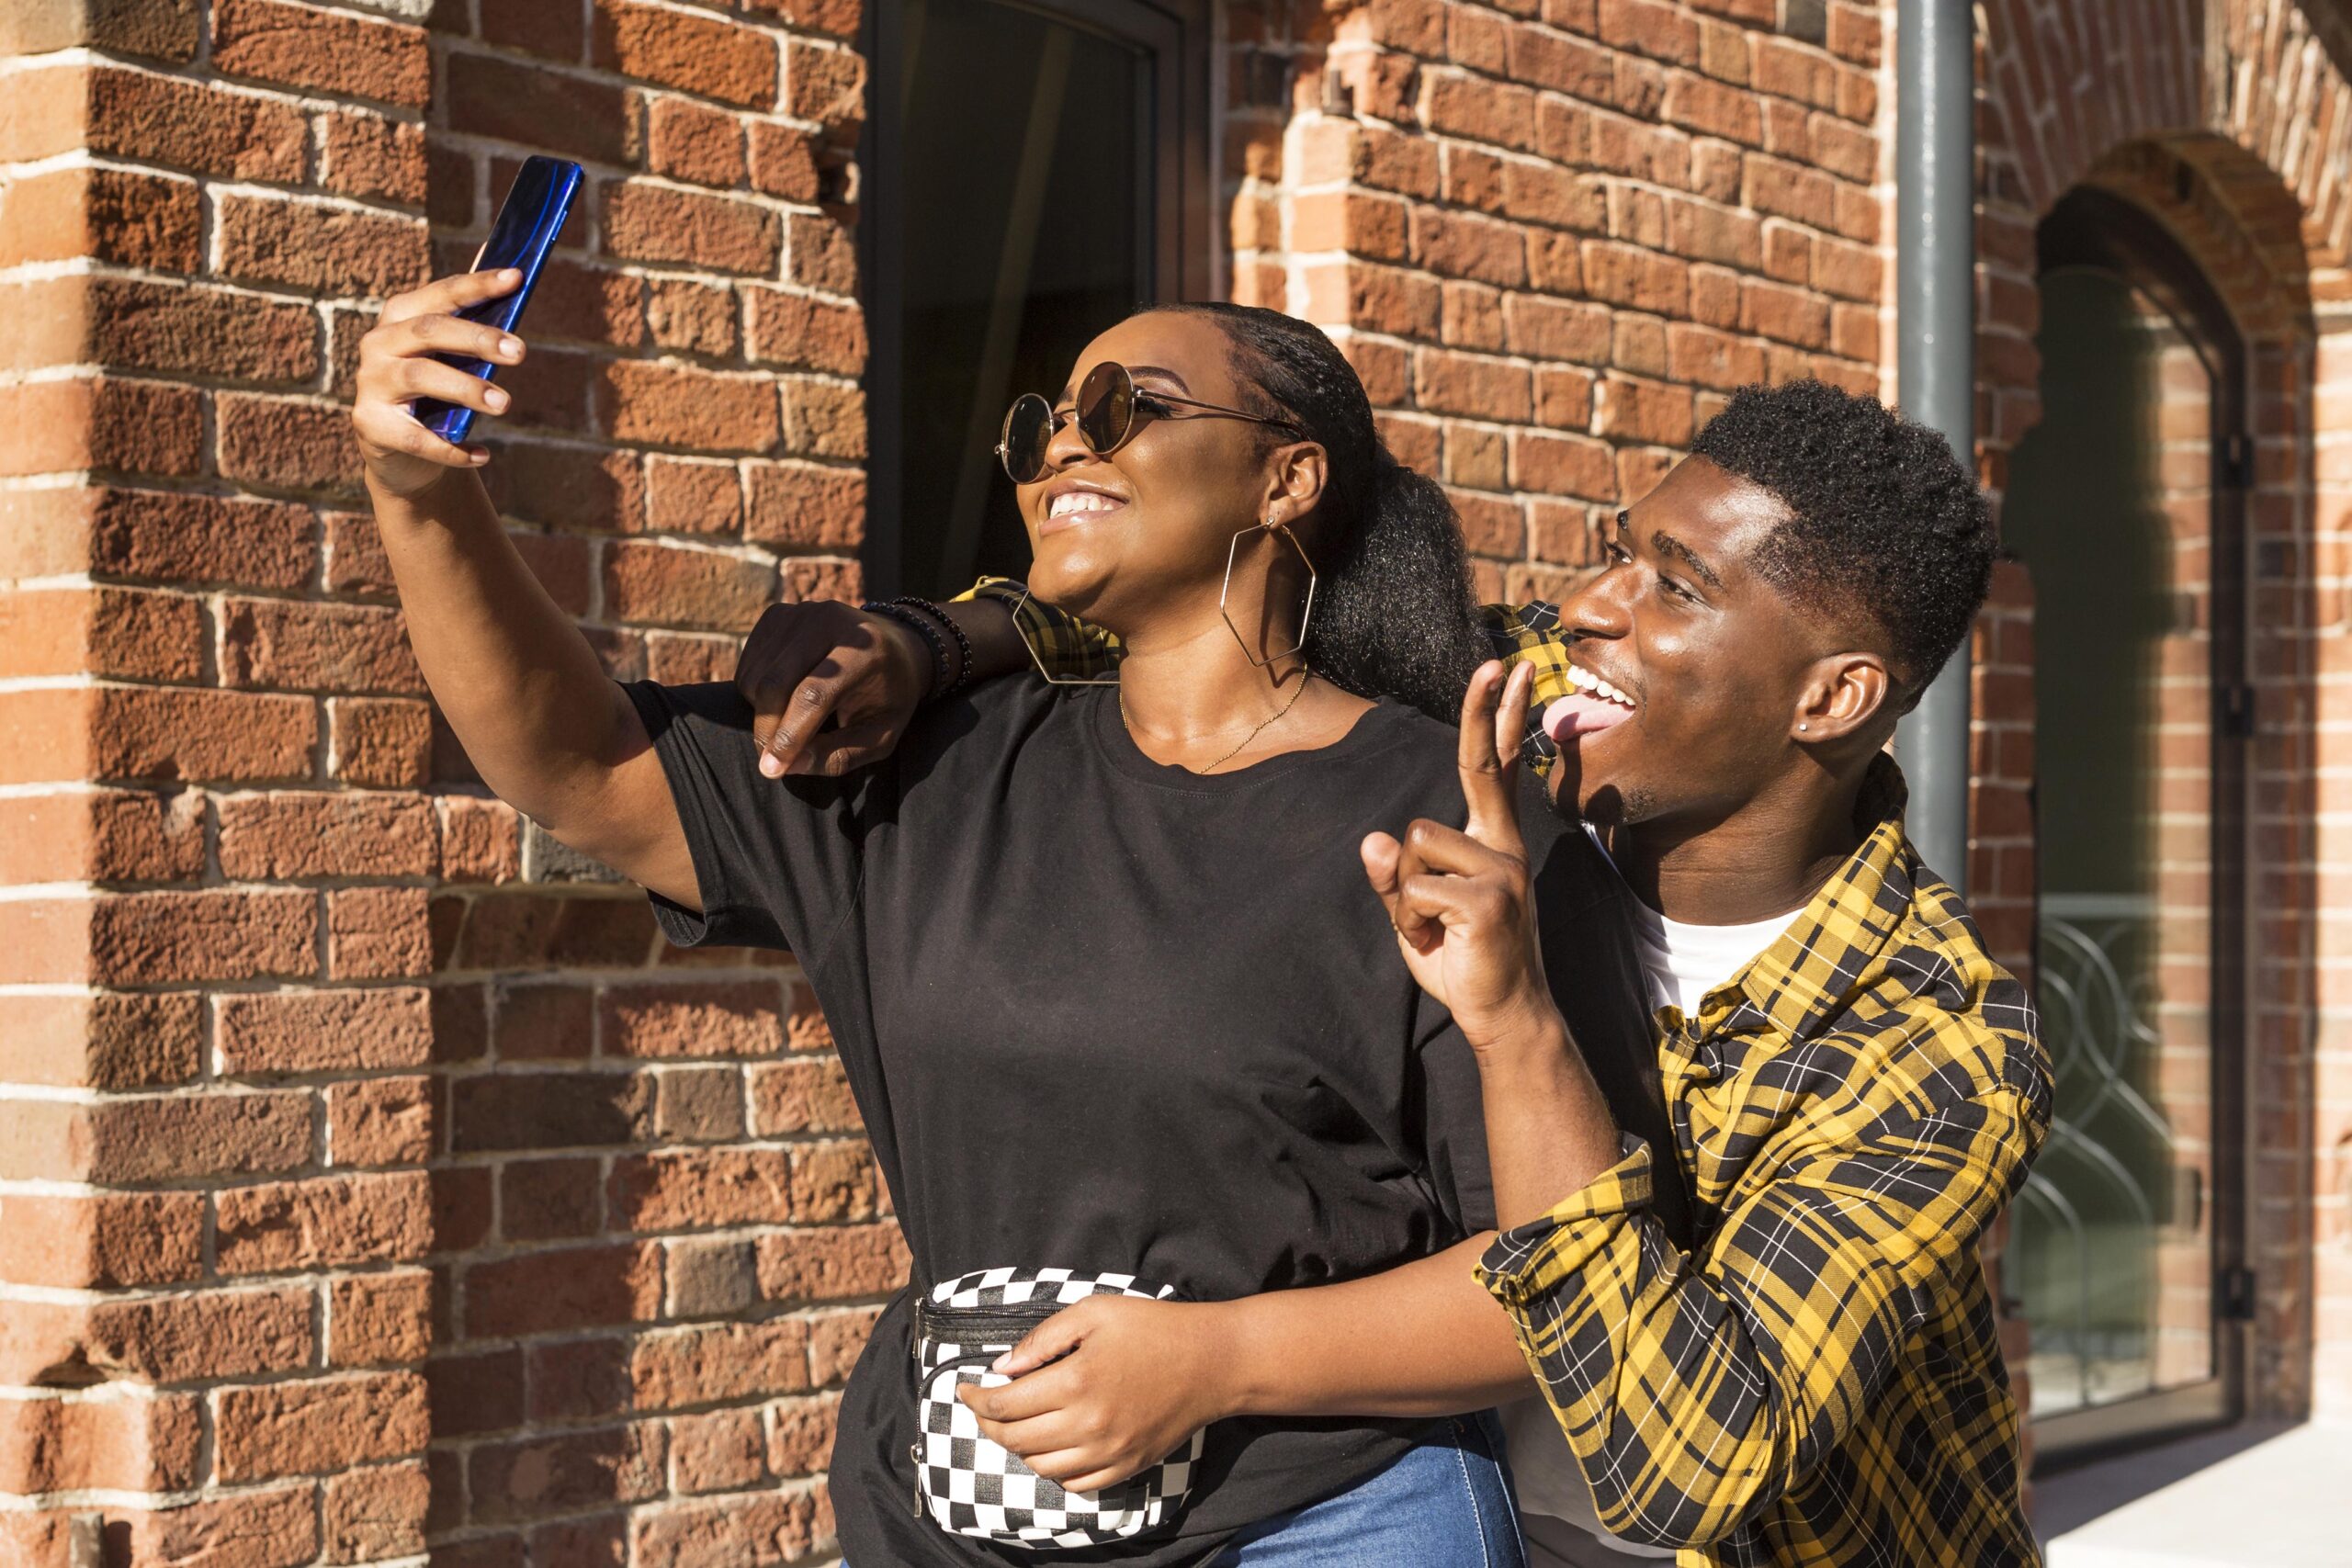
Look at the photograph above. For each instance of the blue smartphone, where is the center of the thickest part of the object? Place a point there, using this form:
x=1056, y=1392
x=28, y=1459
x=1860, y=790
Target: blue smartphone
x=528, y=221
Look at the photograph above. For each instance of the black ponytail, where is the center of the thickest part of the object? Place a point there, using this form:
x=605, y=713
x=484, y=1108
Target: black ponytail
x=1394, y=615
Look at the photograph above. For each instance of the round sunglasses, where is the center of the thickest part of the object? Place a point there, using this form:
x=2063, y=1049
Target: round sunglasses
x=1109, y=410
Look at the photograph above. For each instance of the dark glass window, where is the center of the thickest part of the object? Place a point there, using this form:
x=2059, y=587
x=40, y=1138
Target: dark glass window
x=1032, y=172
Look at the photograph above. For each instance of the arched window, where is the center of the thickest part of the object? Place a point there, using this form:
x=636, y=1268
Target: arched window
x=2127, y=504
x=1034, y=172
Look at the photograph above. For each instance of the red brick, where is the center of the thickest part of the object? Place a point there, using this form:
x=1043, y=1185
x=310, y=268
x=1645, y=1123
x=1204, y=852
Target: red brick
x=835, y=1263
x=275, y=1528
x=1650, y=26
x=481, y=839
x=549, y=1199
x=164, y=1340
x=572, y=485
x=375, y=1514
x=101, y=631
x=734, y=1018
x=800, y=1433
x=202, y=127
x=282, y=836
x=366, y=154
x=836, y=1339
x=128, y=732
x=717, y=1452
x=169, y=536
x=795, y=330
x=688, y=495
x=809, y=578
x=564, y=1291
x=559, y=33
x=1711, y=358
x=707, y=1364
x=311, y=1032
x=546, y=1022
x=824, y=418
x=808, y=1096
x=1457, y=104
x=823, y=253
x=566, y=1472
x=380, y=1122
x=178, y=328
x=783, y=162
x=124, y=1445
x=1787, y=315
x=379, y=742
x=1465, y=384
x=334, y=51
x=337, y=647
x=100, y=422
x=655, y=224
x=322, y=1223
x=101, y=1240
x=694, y=142
x=130, y=1140
x=100, y=1040
x=1563, y=465
x=376, y=933
x=281, y=444
x=797, y=506
x=662, y=584
x=691, y=316
x=1622, y=275
x=1713, y=108
x=765, y=1529
x=674, y=406
x=514, y=100
x=827, y=86
x=549, y=1111
x=318, y=1427
x=698, y=1105
x=167, y=31
x=719, y=60
x=113, y=215
x=1643, y=411
x=104, y=835
x=839, y=18
x=1458, y=244
x=379, y=1319
x=148, y=938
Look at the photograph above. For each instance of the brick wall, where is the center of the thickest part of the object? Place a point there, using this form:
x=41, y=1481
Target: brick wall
x=369, y=1177
x=363, y=1182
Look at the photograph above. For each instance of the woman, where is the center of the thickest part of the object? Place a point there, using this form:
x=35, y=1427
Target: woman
x=1211, y=1079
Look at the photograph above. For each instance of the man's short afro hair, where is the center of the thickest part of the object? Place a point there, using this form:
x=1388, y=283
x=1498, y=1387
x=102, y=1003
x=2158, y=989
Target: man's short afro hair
x=1885, y=521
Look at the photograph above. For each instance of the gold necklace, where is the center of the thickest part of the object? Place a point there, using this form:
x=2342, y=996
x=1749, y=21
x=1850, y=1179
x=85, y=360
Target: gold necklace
x=1262, y=726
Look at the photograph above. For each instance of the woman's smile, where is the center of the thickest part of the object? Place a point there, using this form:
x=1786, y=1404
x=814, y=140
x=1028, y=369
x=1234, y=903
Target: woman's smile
x=1070, y=502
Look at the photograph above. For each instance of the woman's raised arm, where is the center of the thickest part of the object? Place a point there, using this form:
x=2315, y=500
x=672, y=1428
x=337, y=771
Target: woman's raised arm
x=548, y=731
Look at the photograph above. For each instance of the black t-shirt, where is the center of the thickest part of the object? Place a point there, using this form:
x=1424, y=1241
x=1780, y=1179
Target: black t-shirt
x=1108, y=1015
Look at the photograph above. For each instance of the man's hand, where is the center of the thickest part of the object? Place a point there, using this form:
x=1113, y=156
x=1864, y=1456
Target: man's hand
x=1462, y=899
x=1104, y=1388
x=807, y=664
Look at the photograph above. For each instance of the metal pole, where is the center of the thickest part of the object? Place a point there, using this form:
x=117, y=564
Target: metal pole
x=1935, y=156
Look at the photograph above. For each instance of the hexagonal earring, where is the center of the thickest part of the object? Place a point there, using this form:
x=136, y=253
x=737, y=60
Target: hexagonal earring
x=1307, y=610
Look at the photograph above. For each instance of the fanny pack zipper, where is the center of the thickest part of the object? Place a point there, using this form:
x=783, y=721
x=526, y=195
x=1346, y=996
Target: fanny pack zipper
x=959, y=1325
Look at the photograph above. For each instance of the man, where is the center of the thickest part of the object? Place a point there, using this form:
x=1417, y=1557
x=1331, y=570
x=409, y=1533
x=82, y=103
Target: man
x=1818, y=1381
x=1809, y=1373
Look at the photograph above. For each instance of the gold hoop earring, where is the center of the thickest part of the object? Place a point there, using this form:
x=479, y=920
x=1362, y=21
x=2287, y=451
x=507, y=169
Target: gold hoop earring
x=1307, y=610
x=1039, y=660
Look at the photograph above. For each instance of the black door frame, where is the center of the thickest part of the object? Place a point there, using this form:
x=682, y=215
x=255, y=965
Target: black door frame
x=2098, y=228
x=1173, y=146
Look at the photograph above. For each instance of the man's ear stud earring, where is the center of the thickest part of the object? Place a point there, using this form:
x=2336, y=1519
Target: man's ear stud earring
x=1805, y=727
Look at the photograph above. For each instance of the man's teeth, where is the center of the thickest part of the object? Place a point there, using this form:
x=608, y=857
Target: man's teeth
x=1584, y=679
x=1072, y=500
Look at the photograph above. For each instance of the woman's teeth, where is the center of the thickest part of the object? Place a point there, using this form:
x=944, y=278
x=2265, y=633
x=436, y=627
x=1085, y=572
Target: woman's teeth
x=1585, y=681
x=1072, y=501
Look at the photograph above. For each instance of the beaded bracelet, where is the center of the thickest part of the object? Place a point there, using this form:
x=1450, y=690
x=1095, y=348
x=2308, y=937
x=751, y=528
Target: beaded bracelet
x=962, y=643
x=923, y=629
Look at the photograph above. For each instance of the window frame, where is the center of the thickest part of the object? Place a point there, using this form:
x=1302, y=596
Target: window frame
x=1176, y=131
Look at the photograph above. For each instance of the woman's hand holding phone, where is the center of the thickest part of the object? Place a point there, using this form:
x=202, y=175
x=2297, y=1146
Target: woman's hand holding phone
x=398, y=366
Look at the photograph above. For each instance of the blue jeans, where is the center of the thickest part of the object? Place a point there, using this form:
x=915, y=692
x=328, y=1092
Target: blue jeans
x=1445, y=1504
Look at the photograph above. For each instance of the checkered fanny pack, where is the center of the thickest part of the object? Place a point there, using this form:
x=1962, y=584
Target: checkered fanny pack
x=972, y=1486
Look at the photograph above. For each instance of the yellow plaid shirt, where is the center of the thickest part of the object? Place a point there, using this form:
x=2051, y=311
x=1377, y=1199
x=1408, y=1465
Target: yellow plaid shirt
x=1818, y=1382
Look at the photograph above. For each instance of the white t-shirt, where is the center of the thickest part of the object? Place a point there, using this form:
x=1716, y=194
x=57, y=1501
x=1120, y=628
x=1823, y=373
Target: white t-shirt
x=1684, y=963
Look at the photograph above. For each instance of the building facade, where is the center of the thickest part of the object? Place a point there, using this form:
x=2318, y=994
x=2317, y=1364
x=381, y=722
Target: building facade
x=375, y=1186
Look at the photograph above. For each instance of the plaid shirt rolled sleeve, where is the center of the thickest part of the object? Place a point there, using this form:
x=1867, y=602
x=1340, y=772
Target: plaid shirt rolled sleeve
x=1064, y=648
x=1698, y=1389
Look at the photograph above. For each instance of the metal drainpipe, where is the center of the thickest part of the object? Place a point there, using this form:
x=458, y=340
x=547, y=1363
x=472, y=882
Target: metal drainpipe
x=1935, y=158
